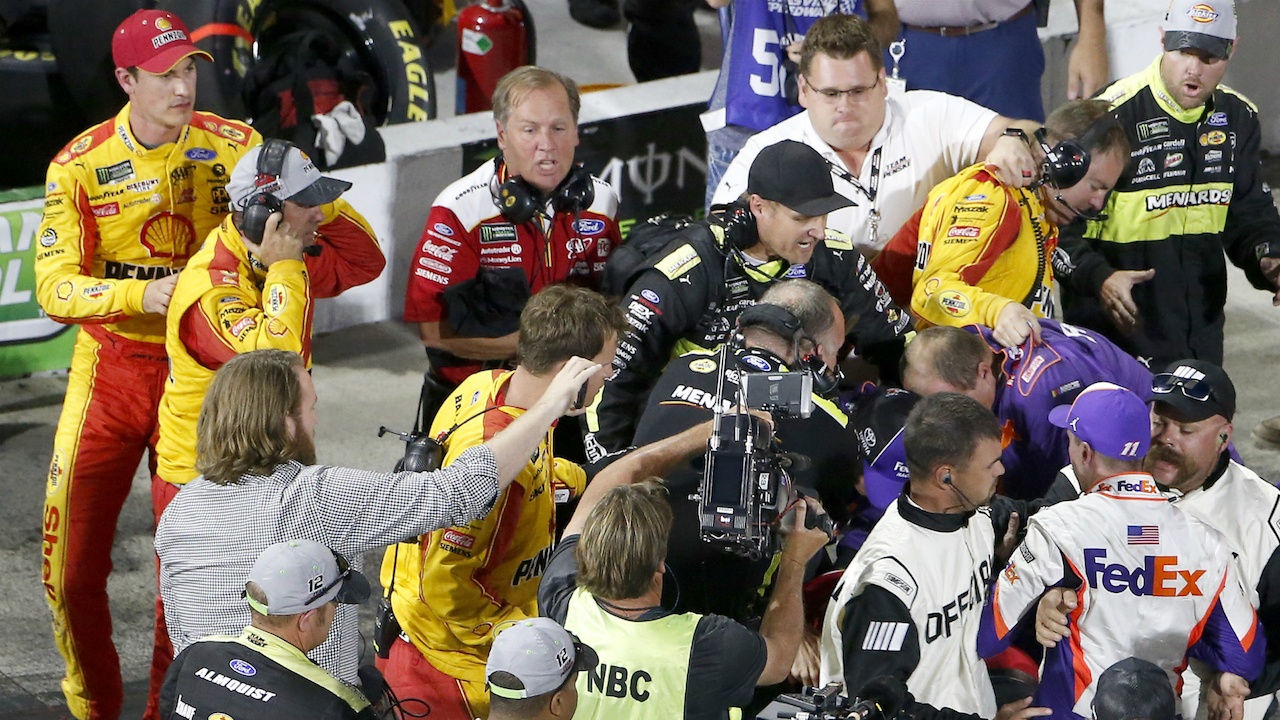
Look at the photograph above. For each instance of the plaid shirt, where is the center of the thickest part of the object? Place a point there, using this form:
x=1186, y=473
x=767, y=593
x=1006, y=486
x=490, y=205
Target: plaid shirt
x=210, y=536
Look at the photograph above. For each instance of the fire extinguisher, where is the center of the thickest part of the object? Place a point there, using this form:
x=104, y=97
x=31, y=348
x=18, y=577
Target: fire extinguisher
x=492, y=41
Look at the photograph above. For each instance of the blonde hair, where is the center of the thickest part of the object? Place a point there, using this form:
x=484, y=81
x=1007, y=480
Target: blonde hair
x=517, y=84
x=624, y=541
x=242, y=426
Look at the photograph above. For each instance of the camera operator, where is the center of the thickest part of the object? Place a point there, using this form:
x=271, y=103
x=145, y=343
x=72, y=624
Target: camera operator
x=795, y=326
x=689, y=294
x=910, y=603
x=605, y=583
x=260, y=485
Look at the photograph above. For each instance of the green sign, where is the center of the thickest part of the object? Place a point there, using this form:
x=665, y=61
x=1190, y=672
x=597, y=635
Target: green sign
x=29, y=341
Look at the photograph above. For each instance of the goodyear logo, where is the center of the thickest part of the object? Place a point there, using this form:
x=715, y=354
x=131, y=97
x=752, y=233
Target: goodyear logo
x=1202, y=13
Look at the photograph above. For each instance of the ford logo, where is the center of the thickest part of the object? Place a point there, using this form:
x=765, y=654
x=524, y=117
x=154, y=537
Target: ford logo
x=201, y=154
x=649, y=295
x=589, y=226
x=243, y=668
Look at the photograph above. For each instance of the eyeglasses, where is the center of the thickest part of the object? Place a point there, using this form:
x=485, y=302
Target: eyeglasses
x=344, y=571
x=832, y=95
x=1197, y=389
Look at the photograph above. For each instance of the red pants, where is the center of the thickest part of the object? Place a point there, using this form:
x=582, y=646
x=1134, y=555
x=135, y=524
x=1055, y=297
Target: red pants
x=411, y=678
x=108, y=420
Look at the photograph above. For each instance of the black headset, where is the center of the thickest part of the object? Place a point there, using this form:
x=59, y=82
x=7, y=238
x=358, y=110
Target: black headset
x=519, y=201
x=262, y=205
x=1066, y=163
x=783, y=323
x=739, y=224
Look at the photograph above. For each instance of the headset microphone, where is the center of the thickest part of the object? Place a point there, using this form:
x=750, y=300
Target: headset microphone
x=964, y=499
x=1087, y=214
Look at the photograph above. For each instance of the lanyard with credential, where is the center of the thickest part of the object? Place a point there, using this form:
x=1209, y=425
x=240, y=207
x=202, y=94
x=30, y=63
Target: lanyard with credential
x=868, y=192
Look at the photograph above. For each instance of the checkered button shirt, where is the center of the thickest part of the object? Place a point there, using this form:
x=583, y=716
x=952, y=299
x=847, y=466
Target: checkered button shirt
x=210, y=536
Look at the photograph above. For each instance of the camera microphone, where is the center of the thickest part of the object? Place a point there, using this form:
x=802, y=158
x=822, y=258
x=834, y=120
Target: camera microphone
x=881, y=698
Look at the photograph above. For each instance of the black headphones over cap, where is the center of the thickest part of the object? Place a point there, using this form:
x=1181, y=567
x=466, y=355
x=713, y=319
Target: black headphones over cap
x=783, y=323
x=262, y=205
x=519, y=201
x=1066, y=163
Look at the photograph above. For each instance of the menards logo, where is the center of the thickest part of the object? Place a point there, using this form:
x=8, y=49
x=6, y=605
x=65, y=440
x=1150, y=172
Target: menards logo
x=1189, y=198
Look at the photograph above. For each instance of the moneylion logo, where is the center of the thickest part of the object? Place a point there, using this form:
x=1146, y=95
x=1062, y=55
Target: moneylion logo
x=1202, y=13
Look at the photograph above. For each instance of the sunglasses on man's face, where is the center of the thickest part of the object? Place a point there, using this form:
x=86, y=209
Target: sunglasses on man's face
x=1194, y=388
x=344, y=570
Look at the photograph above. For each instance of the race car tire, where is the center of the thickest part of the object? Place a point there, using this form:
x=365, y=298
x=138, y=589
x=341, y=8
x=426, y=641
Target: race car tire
x=382, y=34
x=83, y=52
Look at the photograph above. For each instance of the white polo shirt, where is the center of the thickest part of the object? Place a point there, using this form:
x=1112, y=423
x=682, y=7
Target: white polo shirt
x=926, y=138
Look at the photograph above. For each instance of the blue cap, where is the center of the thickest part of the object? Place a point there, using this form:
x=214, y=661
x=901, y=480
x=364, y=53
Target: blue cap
x=1113, y=420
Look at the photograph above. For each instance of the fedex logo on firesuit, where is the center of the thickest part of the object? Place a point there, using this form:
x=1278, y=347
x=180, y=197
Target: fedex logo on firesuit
x=1159, y=576
x=1142, y=486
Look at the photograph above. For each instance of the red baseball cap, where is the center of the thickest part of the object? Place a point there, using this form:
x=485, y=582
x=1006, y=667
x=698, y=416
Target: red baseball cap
x=153, y=40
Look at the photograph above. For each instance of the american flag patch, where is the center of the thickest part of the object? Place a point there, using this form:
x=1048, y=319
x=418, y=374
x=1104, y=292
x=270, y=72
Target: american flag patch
x=1144, y=535
x=886, y=636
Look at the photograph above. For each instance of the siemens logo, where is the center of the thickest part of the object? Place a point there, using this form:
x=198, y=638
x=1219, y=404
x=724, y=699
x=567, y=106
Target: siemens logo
x=1158, y=576
x=1188, y=199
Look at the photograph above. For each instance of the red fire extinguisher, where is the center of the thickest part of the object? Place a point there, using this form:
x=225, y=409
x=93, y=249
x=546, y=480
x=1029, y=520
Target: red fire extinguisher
x=492, y=41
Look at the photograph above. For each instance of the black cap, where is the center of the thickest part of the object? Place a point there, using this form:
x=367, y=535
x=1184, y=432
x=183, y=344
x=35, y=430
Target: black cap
x=795, y=175
x=1134, y=689
x=1197, y=389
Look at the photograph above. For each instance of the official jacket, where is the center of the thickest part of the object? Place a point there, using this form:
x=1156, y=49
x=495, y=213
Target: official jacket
x=689, y=297
x=1246, y=510
x=227, y=303
x=1152, y=581
x=118, y=215
x=909, y=605
x=1193, y=188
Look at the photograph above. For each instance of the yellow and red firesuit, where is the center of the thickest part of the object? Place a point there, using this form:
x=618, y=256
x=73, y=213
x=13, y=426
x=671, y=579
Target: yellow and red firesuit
x=117, y=216
x=981, y=245
x=457, y=586
x=226, y=302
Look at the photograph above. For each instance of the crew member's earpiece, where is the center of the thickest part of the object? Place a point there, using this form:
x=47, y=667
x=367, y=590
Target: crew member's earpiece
x=946, y=479
x=519, y=201
x=1223, y=437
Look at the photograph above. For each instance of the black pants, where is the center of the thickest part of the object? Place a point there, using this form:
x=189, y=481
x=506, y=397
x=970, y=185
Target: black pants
x=663, y=40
